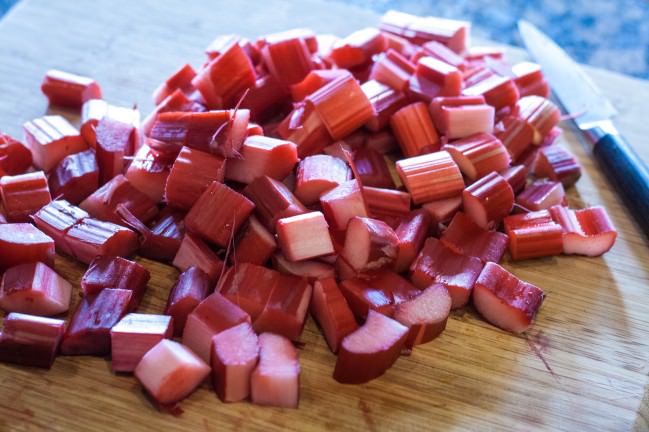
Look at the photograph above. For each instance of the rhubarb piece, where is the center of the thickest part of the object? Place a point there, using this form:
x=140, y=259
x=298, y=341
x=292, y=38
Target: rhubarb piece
x=380, y=291
x=116, y=272
x=24, y=243
x=506, y=301
x=75, y=177
x=191, y=288
x=15, y=157
x=399, y=44
x=588, y=231
x=249, y=286
x=342, y=106
x=35, y=289
x=465, y=237
x=95, y=110
x=212, y=315
x=310, y=270
x=276, y=379
x=89, y=330
x=462, y=116
x=425, y=315
x=113, y=143
x=105, y=201
x=234, y=356
x=315, y=80
x=558, y=164
x=330, y=309
x=430, y=177
x=385, y=102
x=516, y=177
x=369, y=351
x=438, y=264
x=175, y=102
x=222, y=42
x=516, y=134
x=273, y=201
x=133, y=336
x=369, y=244
x=441, y=52
x=530, y=80
x=28, y=340
x=149, y=171
x=163, y=240
x=541, y=194
x=266, y=98
x=50, y=139
x=393, y=70
x=24, y=195
x=56, y=219
x=388, y=205
x=443, y=75
x=194, y=252
x=179, y=80
x=358, y=48
x=488, y=200
x=478, y=155
x=498, y=91
x=540, y=113
x=418, y=30
x=218, y=214
x=222, y=81
x=69, y=90
x=262, y=156
x=304, y=236
x=287, y=58
x=90, y=238
x=533, y=234
x=170, y=372
x=411, y=232
x=255, y=244
x=304, y=127
x=372, y=168
x=343, y=203
x=318, y=174
x=414, y=130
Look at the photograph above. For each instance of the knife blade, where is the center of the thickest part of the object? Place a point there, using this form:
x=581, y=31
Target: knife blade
x=579, y=95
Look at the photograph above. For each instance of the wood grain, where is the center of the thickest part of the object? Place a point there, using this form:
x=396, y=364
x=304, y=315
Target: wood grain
x=582, y=367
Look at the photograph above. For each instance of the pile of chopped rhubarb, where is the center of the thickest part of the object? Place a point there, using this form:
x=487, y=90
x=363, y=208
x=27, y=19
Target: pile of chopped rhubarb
x=374, y=182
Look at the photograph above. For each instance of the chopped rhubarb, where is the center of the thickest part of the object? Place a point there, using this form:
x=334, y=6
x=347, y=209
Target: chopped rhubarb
x=149, y=171
x=452, y=33
x=372, y=168
x=438, y=264
x=273, y=201
x=266, y=98
x=176, y=101
x=262, y=156
x=69, y=90
x=441, y=52
x=444, y=209
x=194, y=252
x=305, y=127
x=212, y=315
x=23, y=195
x=234, y=355
x=179, y=80
x=558, y=164
x=89, y=330
x=276, y=379
x=249, y=286
x=447, y=78
x=90, y=238
x=191, y=288
x=15, y=157
x=385, y=102
x=411, y=232
x=311, y=270
x=343, y=203
x=506, y=301
x=388, y=205
x=116, y=272
x=318, y=174
x=133, y=336
x=516, y=176
x=530, y=80
x=330, y=309
x=379, y=291
x=462, y=116
x=516, y=134
x=541, y=194
x=465, y=237
x=369, y=351
x=95, y=110
x=430, y=177
x=540, y=113
x=399, y=44
x=255, y=244
x=162, y=241
x=425, y=315
x=222, y=42
x=50, y=139
x=488, y=200
x=75, y=177
x=35, y=289
x=533, y=234
x=358, y=48
x=478, y=155
x=498, y=91
x=588, y=231
x=24, y=243
x=369, y=244
x=304, y=236
x=287, y=58
x=113, y=143
x=315, y=80
x=28, y=340
x=393, y=70
x=170, y=372
x=56, y=219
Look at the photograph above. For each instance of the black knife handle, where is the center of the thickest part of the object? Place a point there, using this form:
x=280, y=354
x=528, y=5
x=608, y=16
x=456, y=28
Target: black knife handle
x=628, y=173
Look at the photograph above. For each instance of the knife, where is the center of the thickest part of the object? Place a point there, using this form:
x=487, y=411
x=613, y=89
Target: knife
x=578, y=94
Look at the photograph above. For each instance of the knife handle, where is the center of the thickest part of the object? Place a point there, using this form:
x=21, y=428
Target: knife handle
x=628, y=174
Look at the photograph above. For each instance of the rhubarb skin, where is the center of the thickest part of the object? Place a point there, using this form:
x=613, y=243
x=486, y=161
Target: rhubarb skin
x=255, y=244
x=276, y=379
x=234, y=355
x=379, y=291
x=343, y=203
x=75, y=177
x=166, y=234
x=176, y=101
x=540, y=113
x=56, y=219
x=331, y=311
x=541, y=195
x=388, y=205
x=192, y=172
x=438, y=264
x=443, y=53
x=212, y=315
x=241, y=284
x=26, y=244
x=113, y=144
x=370, y=350
x=69, y=90
x=266, y=98
x=273, y=201
x=116, y=272
x=506, y=301
x=444, y=75
x=170, y=372
x=462, y=116
x=318, y=174
x=516, y=176
x=15, y=157
x=516, y=134
x=191, y=288
x=218, y=214
x=425, y=315
x=194, y=252
x=488, y=200
x=588, y=231
x=430, y=177
x=133, y=336
x=304, y=127
x=95, y=110
x=414, y=130
x=498, y=91
x=91, y=238
x=411, y=232
x=181, y=79
x=28, y=340
x=35, y=289
x=478, y=155
x=89, y=330
x=370, y=244
x=465, y=237
x=372, y=168
x=444, y=209
x=310, y=270
x=315, y=80
x=304, y=236
x=418, y=30
x=287, y=58
x=23, y=195
x=393, y=70
x=358, y=48
x=385, y=101
x=558, y=164
x=262, y=156
x=149, y=171
x=533, y=234
x=50, y=139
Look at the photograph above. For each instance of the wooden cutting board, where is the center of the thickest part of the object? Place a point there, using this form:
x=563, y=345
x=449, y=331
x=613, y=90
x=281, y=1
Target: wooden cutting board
x=583, y=366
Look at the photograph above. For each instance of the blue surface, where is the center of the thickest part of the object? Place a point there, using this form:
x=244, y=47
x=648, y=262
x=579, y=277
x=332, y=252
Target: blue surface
x=611, y=34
